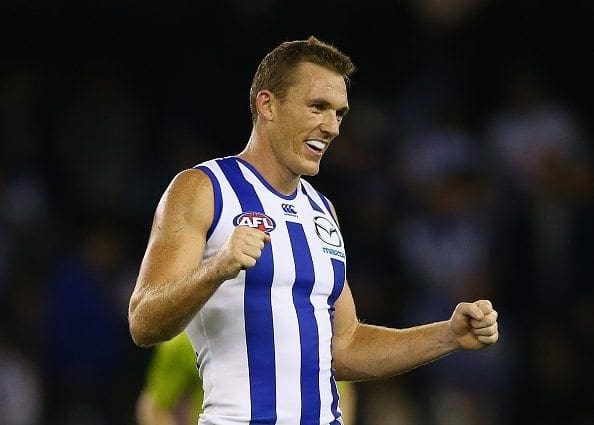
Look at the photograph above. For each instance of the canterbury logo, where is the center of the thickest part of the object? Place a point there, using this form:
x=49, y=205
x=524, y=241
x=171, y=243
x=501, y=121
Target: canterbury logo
x=289, y=209
x=327, y=231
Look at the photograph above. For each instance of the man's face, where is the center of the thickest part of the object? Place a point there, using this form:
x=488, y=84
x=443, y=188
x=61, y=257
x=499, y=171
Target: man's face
x=308, y=119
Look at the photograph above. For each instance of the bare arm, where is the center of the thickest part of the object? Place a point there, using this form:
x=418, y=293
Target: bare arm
x=173, y=283
x=363, y=352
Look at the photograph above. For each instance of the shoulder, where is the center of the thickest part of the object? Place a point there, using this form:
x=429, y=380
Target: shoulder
x=310, y=190
x=331, y=208
x=325, y=200
x=188, y=186
x=190, y=179
x=189, y=195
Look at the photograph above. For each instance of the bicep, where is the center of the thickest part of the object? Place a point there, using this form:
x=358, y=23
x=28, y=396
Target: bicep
x=345, y=321
x=178, y=234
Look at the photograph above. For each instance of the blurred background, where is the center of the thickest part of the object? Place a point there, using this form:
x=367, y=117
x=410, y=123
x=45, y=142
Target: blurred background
x=464, y=170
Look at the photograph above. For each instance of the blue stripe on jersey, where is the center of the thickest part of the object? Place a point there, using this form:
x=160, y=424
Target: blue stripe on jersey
x=311, y=201
x=218, y=198
x=308, y=327
x=334, y=405
x=264, y=182
x=339, y=278
x=327, y=204
x=258, y=309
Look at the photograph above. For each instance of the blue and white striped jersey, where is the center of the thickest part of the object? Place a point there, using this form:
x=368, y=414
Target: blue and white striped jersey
x=263, y=340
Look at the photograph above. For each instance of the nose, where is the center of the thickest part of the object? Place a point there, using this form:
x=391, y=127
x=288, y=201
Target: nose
x=331, y=124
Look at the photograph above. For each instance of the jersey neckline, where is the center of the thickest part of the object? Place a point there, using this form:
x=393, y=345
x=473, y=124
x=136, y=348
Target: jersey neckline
x=264, y=182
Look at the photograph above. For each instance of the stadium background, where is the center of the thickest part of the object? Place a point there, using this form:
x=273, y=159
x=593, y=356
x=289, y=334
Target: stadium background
x=463, y=170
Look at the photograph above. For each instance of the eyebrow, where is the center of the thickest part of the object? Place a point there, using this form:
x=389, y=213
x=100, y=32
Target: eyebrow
x=324, y=103
x=343, y=111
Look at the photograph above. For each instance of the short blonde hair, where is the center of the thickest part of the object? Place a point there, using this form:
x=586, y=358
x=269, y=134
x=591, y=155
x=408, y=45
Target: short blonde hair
x=276, y=71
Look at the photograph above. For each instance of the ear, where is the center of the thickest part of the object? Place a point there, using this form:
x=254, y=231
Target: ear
x=264, y=101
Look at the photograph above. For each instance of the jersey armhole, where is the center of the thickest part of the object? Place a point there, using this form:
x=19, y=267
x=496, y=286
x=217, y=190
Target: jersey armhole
x=328, y=208
x=218, y=198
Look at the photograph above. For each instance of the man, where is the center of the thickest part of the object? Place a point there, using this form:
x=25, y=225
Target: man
x=172, y=392
x=247, y=258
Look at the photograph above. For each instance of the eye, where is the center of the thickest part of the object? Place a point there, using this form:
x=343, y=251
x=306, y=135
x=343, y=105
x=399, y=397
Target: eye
x=318, y=107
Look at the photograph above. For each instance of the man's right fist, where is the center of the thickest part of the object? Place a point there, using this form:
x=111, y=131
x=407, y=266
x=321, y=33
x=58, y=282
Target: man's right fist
x=241, y=250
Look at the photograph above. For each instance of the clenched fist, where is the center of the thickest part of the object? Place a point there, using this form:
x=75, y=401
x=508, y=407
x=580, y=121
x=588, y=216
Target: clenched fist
x=241, y=250
x=474, y=325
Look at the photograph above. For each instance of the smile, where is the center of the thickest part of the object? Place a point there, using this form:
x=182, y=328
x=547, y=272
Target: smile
x=316, y=145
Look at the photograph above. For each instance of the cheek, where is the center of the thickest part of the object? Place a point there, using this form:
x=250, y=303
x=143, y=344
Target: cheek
x=294, y=129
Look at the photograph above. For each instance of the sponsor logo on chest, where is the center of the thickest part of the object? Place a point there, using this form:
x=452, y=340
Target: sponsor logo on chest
x=328, y=233
x=255, y=220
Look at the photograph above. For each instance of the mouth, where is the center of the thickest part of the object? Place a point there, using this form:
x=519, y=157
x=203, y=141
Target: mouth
x=317, y=146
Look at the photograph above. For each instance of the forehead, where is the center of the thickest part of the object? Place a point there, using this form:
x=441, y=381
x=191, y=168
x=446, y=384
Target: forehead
x=316, y=81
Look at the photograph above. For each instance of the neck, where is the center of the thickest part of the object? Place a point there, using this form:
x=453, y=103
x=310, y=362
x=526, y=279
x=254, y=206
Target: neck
x=260, y=155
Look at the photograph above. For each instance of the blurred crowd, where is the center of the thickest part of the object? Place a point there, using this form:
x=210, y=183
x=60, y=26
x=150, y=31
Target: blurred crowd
x=448, y=187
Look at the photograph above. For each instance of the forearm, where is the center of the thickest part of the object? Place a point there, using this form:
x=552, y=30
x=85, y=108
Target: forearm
x=374, y=352
x=158, y=312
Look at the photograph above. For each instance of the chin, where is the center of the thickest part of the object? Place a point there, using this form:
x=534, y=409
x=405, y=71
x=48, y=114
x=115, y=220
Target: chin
x=306, y=167
x=310, y=170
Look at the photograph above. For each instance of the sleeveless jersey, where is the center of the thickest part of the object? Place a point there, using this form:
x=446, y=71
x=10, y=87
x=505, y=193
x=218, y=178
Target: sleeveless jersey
x=263, y=340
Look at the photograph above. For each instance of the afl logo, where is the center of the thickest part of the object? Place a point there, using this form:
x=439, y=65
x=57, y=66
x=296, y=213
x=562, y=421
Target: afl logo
x=255, y=220
x=327, y=231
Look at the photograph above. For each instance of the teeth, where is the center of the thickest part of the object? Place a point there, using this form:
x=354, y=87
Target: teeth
x=316, y=144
